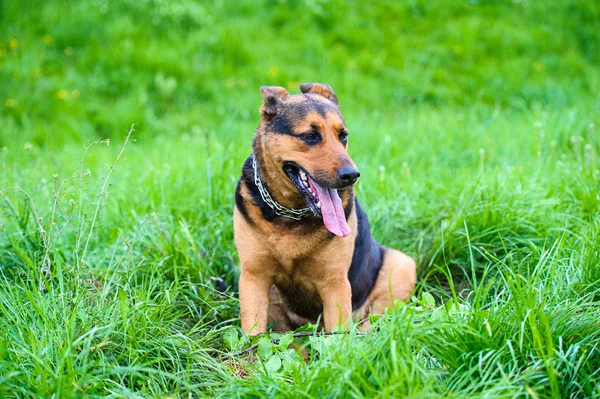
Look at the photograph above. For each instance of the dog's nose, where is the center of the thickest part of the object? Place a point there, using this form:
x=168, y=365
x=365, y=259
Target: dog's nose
x=348, y=175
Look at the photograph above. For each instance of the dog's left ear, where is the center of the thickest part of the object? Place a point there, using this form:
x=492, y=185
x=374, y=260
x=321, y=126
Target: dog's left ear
x=272, y=98
x=321, y=89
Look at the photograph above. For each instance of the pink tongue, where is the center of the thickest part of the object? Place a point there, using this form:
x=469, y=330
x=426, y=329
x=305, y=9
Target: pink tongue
x=332, y=210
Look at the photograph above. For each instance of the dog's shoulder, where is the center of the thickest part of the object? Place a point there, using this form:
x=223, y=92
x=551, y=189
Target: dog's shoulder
x=243, y=191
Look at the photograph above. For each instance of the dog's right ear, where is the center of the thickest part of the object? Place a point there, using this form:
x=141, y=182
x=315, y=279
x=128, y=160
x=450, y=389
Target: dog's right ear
x=272, y=98
x=320, y=89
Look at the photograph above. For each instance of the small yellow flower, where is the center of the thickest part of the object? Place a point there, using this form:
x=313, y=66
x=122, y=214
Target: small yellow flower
x=230, y=83
x=48, y=39
x=293, y=85
x=11, y=103
x=69, y=51
x=351, y=64
x=273, y=71
x=538, y=66
x=62, y=94
x=13, y=44
x=75, y=94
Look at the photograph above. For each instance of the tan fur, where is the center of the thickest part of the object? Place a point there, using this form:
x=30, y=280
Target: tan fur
x=396, y=281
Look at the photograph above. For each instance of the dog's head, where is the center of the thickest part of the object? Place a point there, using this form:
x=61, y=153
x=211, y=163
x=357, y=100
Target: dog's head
x=306, y=138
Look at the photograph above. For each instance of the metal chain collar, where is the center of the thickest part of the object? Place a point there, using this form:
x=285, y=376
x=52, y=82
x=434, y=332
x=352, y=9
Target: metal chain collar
x=279, y=209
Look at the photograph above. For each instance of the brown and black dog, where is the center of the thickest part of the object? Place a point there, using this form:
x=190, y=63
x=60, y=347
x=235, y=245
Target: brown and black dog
x=303, y=240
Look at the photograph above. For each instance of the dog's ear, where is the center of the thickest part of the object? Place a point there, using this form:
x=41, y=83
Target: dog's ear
x=321, y=89
x=272, y=98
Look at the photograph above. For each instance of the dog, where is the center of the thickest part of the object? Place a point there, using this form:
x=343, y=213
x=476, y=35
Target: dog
x=304, y=242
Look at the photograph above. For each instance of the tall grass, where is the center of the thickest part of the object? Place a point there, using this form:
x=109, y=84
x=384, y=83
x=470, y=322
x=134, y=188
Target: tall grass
x=474, y=125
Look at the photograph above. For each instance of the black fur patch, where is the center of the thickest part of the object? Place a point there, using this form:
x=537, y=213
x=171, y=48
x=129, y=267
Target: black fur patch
x=240, y=204
x=366, y=260
x=282, y=125
x=296, y=300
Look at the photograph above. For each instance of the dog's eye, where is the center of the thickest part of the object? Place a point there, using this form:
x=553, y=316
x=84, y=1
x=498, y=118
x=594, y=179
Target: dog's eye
x=311, y=138
x=344, y=137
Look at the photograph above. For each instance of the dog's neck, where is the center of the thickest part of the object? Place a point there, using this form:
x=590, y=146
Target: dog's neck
x=278, y=185
x=296, y=207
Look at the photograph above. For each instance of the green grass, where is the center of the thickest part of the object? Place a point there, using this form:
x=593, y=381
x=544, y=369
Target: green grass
x=475, y=127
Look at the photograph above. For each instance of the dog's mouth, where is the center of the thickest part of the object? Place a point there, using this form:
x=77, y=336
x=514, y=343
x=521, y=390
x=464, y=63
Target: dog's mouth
x=323, y=202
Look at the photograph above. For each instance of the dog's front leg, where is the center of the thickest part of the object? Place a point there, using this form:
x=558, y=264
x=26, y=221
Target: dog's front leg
x=336, y=295
x=256, y=275
x=254, y=301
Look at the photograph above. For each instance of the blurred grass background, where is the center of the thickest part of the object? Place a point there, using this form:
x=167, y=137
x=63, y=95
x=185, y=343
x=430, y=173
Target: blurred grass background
x=72, y=71
x=474, y=124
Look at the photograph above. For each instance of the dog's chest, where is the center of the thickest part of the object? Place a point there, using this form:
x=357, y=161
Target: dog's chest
x=298, y=291
x=297, y=258
x=289, y=248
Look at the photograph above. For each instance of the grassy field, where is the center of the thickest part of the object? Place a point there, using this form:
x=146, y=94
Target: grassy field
x=475, y=125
